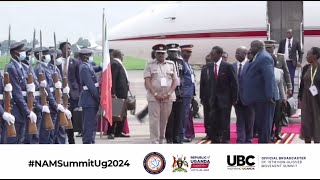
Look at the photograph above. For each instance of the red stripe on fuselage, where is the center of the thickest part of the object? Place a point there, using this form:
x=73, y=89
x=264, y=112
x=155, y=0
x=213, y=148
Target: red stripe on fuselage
x=214, y=35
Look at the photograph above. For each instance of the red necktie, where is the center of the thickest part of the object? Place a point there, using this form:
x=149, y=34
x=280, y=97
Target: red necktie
x=215, y=71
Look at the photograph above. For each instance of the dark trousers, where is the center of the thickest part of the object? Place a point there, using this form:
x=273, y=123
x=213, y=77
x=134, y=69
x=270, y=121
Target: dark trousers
x=33, y=138
x=264, y=116
x=116, y=127
x=47, y=136
x=89, y=127
x=70, y=132
x=185, y=112
x=143, y=113
x=292, y=70
x=219, y=130
x=206, y=116
x=174, y=124
x=245, y=121
x=20, y=131
x=276, y=120
x=59, y=132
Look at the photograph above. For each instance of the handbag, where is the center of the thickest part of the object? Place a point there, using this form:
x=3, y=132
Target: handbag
x=118, y=109
x=131, y=102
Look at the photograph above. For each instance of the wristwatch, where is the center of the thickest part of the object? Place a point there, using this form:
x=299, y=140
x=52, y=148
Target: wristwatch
x=155, y=94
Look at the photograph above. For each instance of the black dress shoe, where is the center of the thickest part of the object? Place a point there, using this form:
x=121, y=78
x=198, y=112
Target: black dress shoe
x=205, y=138
x=121, y=135
x=169, y=141
x=278, y=137
x=110, y=136
x=255, y=135
x=187, y=140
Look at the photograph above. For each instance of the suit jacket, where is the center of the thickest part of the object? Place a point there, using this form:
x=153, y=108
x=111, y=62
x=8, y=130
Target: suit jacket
x=259, y=81
x=293, y=53
x=90, y=97
x=281, y=64
x=73, y=78
x=224, y=91
x=18, y=81
x=204, y=84
x=316, y=81
x=120, y=85
x=240, y=82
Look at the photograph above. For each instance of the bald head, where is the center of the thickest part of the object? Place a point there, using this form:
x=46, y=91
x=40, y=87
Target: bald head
x=289, y=33
x=256, y=46
x=117, y=54
x=241, y=53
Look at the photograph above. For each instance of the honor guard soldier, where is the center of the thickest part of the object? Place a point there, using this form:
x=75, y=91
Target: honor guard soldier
x=34, y=88
x=49, y=136
x=18, y=80
x=89, y=97
x=161, y=80
x=188, y=91
x=174, y=128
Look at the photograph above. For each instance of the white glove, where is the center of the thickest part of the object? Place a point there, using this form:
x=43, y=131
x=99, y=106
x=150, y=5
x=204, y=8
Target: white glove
x=31, y=88
x=61, y=108
x=33, y=117
x=45, y=109
x=43, y=83
x=66, y=90
x=68, y=114
x=58, y=85
x=8, y=88
x=8, y=117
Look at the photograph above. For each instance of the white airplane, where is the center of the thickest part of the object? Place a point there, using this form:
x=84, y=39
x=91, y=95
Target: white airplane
x=207, y=24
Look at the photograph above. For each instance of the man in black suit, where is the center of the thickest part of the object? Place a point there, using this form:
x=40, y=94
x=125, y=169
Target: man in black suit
x=289, y=47
x=70, y=69
x=223, y=89
x=120, y=88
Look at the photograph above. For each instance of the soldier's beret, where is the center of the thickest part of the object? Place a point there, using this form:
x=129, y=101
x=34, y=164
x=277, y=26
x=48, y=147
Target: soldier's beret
x=173, y=47
x=16, y=45
x=27, y=49
x=160, y=48
x=85, y=51
x=187, y=47
x=270, y=42
x=38, y=49
x=52, y=51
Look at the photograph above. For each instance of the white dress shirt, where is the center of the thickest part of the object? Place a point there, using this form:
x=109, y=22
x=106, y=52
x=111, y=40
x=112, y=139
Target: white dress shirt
x=242, y=64
x=218, y=66
x=286, y=50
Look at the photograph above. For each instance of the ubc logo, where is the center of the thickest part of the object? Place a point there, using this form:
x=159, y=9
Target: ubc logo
x=241, y=162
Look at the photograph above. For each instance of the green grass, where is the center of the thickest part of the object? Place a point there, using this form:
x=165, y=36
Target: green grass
x=130, y=63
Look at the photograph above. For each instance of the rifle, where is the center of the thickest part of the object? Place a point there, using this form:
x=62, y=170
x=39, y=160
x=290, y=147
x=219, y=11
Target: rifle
x=11, y=130
x=63, y=119
x=32, y=127
x=47, y=117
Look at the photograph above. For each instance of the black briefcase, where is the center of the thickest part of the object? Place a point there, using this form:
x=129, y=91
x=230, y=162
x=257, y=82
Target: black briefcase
x=118, y=109
x=77, y=119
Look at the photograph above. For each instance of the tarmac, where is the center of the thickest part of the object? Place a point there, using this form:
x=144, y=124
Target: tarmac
x=139, y=132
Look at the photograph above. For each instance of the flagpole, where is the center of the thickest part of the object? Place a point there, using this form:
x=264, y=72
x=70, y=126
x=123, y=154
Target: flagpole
x=103, y=56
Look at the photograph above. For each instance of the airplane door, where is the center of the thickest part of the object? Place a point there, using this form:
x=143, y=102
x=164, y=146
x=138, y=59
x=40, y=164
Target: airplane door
x=284, y=15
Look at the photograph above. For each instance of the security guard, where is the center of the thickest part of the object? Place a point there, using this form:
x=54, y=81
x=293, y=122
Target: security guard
x=174, y=128
x=160, y=80
x=19, y=86
x=38, y=108
x=89, y=97
x=188, y=91
x=281, y=64
x=49, y=136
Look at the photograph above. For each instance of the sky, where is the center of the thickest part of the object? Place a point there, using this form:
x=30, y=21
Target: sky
x=67, y=19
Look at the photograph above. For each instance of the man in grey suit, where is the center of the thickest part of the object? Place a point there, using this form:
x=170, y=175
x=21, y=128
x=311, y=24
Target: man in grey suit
x=259, y=89
x=245, y=114
x=281, y=64
x=289, y=47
